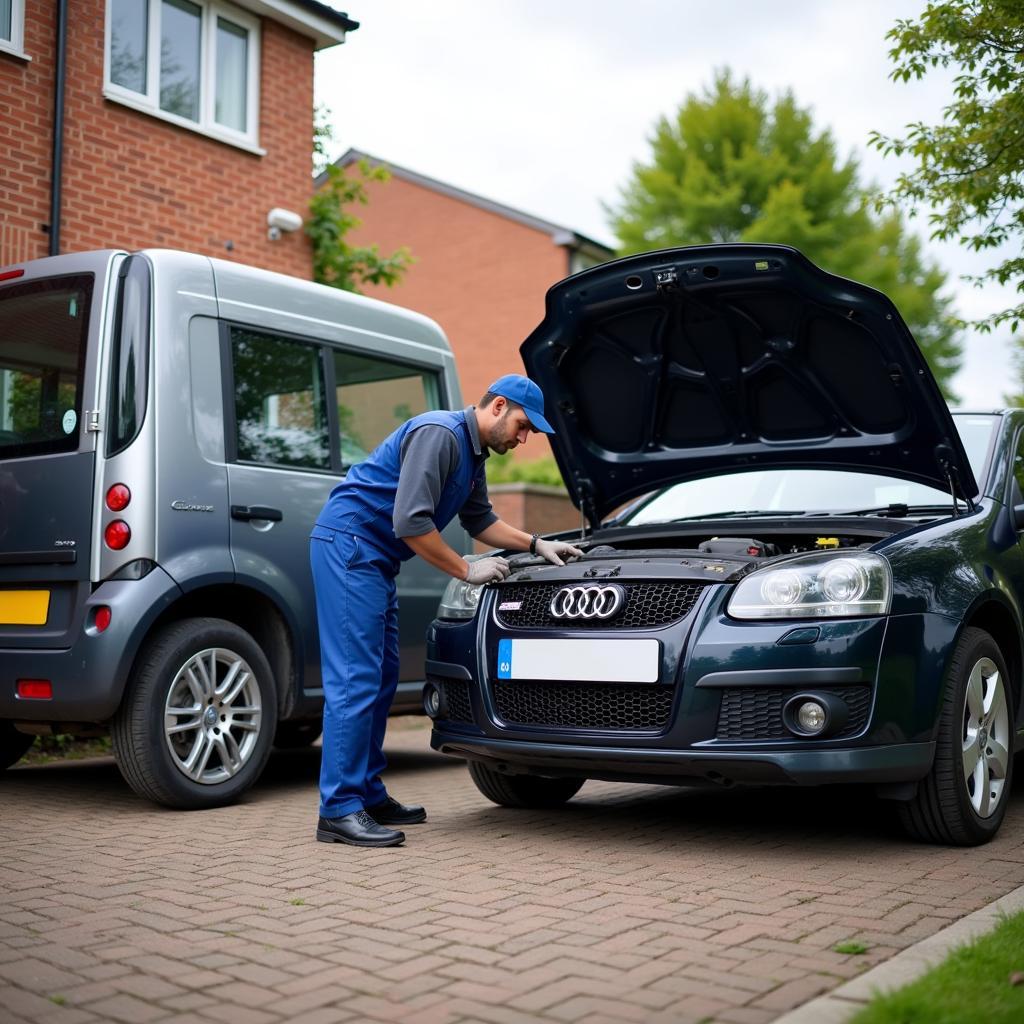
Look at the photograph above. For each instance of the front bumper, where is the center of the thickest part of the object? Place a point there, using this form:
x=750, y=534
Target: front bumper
x=904, y=762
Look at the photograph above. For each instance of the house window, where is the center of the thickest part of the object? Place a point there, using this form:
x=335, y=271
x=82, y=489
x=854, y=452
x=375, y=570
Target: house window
x=12, y=26
x=192, y=62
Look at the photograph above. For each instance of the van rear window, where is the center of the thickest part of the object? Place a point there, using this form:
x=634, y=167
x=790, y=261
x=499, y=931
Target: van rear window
x=43, y=329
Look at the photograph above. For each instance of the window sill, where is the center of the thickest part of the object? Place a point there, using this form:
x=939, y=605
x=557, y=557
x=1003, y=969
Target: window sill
x=7, y=50
x=180, y=122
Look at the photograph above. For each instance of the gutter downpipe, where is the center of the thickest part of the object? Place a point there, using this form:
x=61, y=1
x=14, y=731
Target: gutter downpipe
x=57, y=162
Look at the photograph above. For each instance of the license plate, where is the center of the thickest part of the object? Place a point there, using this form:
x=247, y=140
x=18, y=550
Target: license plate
x=24, y=607
x=584, y=661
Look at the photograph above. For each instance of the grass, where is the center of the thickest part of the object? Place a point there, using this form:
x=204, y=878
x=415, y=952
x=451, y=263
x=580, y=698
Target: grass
x=63, y=747
x=972, y=986
x=853, y=948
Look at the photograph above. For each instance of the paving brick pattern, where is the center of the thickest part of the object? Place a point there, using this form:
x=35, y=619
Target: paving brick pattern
x=634, y=903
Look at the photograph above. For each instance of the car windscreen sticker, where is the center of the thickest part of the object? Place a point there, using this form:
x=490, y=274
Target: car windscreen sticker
x=69, y=421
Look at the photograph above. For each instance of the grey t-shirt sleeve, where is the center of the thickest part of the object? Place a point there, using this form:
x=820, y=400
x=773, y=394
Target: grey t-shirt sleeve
x=476, y=514
x=429, y=454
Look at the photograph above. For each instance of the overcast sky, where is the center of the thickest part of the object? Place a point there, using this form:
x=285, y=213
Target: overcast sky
x=546, y=104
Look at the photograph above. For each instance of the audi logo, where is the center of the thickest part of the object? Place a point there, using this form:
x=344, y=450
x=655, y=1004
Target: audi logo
x=587, y=602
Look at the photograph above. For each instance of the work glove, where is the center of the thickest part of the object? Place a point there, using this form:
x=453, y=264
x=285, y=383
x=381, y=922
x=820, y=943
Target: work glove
x=487, y=570
x=557, y=551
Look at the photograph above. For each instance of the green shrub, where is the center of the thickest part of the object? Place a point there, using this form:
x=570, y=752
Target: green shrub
x=503, y=469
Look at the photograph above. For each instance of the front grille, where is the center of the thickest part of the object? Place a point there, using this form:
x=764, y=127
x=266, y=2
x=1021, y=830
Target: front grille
x=583, y=705
x=647, y=605
x=455, y=695
x=754, y=714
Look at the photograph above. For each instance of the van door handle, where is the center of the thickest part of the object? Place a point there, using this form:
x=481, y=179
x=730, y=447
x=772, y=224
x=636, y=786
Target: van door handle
x=247, y=512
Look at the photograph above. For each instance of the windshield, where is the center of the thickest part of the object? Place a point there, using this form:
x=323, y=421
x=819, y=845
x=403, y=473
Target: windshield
x=806, y=490
x=43, y=327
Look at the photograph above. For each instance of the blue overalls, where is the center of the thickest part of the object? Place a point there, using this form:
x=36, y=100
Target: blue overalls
x=355, y=557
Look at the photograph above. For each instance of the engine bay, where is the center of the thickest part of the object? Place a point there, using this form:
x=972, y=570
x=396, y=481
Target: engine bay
x=695, y=551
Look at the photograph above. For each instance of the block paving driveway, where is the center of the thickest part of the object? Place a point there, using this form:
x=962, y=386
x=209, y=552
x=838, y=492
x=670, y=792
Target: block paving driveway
x=634, y=903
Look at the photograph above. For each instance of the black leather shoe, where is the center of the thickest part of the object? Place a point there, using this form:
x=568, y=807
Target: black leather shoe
x=357, y=829
x=391, y=812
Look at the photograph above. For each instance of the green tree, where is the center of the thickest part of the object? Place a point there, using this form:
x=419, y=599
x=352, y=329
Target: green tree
x=969, y=169
x=734, y=166
x=336, y=261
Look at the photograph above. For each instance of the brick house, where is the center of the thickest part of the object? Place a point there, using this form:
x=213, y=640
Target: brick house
x=481, y=271
x=481, y=268
x=177, y=123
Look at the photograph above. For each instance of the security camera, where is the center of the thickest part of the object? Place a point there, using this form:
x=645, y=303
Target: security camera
x=279, y=219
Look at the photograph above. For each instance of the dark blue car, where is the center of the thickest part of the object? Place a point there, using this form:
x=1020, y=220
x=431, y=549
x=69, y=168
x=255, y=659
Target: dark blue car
x=820, y=578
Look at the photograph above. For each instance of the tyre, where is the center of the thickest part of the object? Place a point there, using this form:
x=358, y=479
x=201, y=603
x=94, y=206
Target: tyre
x=13, y=745
x=522, y=790
x=197, y=721
x=962, y=801
x=292, y=735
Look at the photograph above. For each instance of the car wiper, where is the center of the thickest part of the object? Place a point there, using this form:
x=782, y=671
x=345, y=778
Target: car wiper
x=752, y=512
x=897, y=510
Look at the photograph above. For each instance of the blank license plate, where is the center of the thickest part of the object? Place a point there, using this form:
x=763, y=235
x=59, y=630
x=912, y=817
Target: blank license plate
x=24, y=607
x=589, y=661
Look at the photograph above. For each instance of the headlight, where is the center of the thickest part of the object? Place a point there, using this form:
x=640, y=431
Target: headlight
x=459, y=601
x=818, y=586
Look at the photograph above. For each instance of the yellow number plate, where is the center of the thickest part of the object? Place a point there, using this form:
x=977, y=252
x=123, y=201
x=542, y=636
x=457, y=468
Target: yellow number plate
x=24, y=607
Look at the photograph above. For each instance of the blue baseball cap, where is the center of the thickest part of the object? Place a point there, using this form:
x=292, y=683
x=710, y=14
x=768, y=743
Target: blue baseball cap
x=521, y=390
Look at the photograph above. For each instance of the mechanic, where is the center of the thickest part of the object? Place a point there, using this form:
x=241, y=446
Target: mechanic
x=389, y=508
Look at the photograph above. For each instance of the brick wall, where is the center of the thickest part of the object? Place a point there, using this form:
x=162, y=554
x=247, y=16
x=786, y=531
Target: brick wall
x=481, y=276
x=132, y=180
x=533, y=508
x=26, y=119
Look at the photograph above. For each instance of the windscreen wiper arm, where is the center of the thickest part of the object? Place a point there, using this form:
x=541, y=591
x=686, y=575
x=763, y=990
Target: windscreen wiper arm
x=897, y=510
x=775, y=513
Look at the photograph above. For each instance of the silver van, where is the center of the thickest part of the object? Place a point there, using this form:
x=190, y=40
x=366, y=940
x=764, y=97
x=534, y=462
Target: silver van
x=170, y=426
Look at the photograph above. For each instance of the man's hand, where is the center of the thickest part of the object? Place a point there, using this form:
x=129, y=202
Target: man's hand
x=557, y=551
x=487, y=570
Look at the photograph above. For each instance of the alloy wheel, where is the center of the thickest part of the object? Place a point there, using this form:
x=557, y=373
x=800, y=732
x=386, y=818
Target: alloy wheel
x=986, y=737
x=212, y=716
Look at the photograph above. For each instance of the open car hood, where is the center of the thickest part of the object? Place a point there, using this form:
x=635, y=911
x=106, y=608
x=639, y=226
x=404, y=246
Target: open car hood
x=692, y=362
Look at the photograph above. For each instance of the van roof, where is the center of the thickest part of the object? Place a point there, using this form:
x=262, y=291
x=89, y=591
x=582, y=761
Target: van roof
x=242, y=285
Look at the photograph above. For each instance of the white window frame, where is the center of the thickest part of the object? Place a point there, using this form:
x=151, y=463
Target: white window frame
x=16, y=44
x=149, y=102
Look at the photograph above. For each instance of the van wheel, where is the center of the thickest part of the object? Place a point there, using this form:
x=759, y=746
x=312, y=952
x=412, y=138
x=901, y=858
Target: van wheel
x=292, y=735
x=522, y=790
x=962, y=801
x=13, y=745
x=197, y=722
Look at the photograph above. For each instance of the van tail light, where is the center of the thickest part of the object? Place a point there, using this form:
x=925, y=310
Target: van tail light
x=35, y=689
x=102, y=618
x=118, y=497
x=117, y=534
x=7, y=275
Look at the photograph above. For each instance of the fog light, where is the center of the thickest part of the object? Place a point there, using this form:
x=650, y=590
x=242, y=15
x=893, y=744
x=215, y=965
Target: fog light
x=35, y=689
x=815, y=714
x=431, y=700
x=811, y=716
x=102, y=618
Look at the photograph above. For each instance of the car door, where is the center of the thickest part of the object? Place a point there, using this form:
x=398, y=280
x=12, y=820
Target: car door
x=277, y=444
